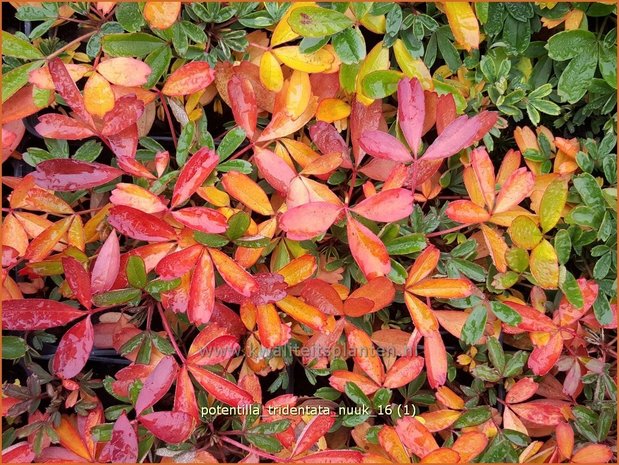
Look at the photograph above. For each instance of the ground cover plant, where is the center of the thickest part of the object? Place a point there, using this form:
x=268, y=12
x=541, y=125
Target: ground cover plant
x=319, y=232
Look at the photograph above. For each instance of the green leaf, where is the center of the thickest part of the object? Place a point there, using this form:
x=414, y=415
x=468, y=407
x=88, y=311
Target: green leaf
x=210, y=240
x=349, y=46
x=327, y=393
x=19, y=48
x=312, y=45
x=551, y=206
x=253, y=242
x=348, y=77
x=577, y=76
x=230, y=142
x=608, y=64
x=157, y=286
x=313, y=21
x=517, y=33
x=242, y=166
x=473, y=417
x=13, y=347
x=447, y=49
x=185, y=140
x=159, y=61
x=381, y=84
x=381, y=398
x=17, y=78
x=356, y=394
x=136, y=272
x=515, y=364
x=602, y=310
x=569, y=44
x=589, y=191
x=520, y=11
x=136, y=44
x=516, y=437
x=266, y=443
x=119, y=296
x=571, y=290
x=237, y=225
x=89, y=151
x=495, y=353
x=404, y=245
x=273, y=427
x=475, y=324
x=129, y=16
x=505, y=313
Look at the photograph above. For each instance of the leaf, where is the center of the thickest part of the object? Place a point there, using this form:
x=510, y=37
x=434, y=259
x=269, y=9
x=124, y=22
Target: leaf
x=16, y=47
x=189, y=79
x=423, y=318
x=243, y=103
x=74, y=349
x=331, y=110
x=463, y=24
x=107, y=265
x=231, y=141
x=316, y=428
x=546, y=412
x=78, y=280
x=136, y=44
x=475, y=325
x=577, y=76
x=170, y=427
x=524, y=232
x=459, y=134
x=380, y=84
x=403, y=371
x=139, y=225
x=415, y=436
x=349, y=45
x=157, y=384
x=136, y=272
x=246, y=191
x=202, y=291
x=523, y=390
x=271, y=74
x=274, y=169
x=13, y=347
x=132, y=195
x=64, y=85
x=239, y=279
x=36, y=314
x=368, y=250
x=466, y=212
x=386, y=206
x=316, y=62
x=313, y=21
x=442, y=288
x=405, y=245
x=544, y=358
x=98, y=96
x=193, y=174
x=505, y=313
x=592, y=453
x=202, y=219
x=412, y=67
x=16, y=79
x=566, y=45
x=516, y=188
x=125, y=113
x=544, y=265
x=43, y=244
x=220, y=388
x=364, y=354
x=384, y=146
x=589, y=191
x=305, y=313
x=56, y=126
x=124, y=71
x=161, y=15
x=339, y=379
x=123, y=445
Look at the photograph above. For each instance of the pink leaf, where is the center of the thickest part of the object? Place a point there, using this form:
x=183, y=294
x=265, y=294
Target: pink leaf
x=57, y=126
x=459, y=134
x=65, y=175
x=309, y=220
x=74, y=350
x=106, y=266
x=202, y=219
x=193, y=174
x=368, y=250
x=275, y=170
x=123, y=446
x=411, y=111
x=243, y=103
x=386, y=206
x=383, y=145
x=171, y=427
x=157, y=384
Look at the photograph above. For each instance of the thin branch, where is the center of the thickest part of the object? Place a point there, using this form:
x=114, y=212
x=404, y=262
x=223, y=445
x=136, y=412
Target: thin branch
x=71, y=44
x=170, y=334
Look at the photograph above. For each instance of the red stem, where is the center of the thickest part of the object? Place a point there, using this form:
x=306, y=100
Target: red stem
x=170, y=334
x=168, y=116
x=447, y=231
x=252, y=450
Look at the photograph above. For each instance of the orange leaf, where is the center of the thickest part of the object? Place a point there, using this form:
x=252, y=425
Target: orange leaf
x=137, y=197
x=368, y=250
x=71, y=439
x=466, y=212
x=424, y=265
x=43, y=244
x=496, y=246
x=449, y=398
x=298, y=92
x=238, y=279
x=415, y=436
x=469, y=445
x=243, y=103
x=593, y=453
x=98, y=95
x=299, y=270
x=438, y=420
x=339, y=378
x=517, y=187
x=271, y=331
x=379, y=291
x=463, y=24
x=390, y=441
x=544, y=358
x=306, y=314
x=189, y=78
x=364, y=354
x=202, y=291
x=441, y=455
x=423, y=318
x=436, y=359
x=124, y=71
x=524, y=389
x=484, y=172
x=565, y=439
x=246, y=191
x=442, y=288
x=161, y=15
x=332, y=109
x=403, y=371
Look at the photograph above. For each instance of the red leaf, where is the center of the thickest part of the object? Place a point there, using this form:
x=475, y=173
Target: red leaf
x=185, y=396
x=544, y=358
x=236, y=277
x=243, y=103
x=532, y=319
x=139, y=225
x=202, y=219
x=74, y=350
x=57, y=126
x=316, y=428
x=363, y=119
x=368, y=250
x=275, y=170
x=524, y=389
x=220, y=349
x=123, y=446
x=36, y=314
x=189, y=79
x=220, y=388
x=403, y=371
x=68, y=90
x=126, y=112
x=20, y=452
x=202, y=291
x=545, y=412
x=513, y=191
x=107, y=265
x=324, y=297
x=309, y=220
x=157, y=384
x=333, y=456
x=65, y=175
x=466, y=212
x=383, y=145
x=386, y=206
x=171, y=427
x=445, y=112
x=328, y=140
x=459, y=134
x=178, y=263
x=411, y=111
x=78, y=280
x=124, y=144
x=193, y=174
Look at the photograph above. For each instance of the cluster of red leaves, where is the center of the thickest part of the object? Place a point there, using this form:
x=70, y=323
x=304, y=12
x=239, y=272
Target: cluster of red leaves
x=177, y=236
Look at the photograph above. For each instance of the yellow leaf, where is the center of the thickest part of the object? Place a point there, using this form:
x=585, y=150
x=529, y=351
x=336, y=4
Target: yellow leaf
x=463, y=24
x=283, y=32
x=551, y=206
x=496, y=246
x=332, y=109
x=98, y=95
x=376, y=24
x=316, y=62
x=298, y=93
x=524, y=232
x=271, y=72
x=545, y=265
x=161, y=15
x=376, y=60
x=411, y=66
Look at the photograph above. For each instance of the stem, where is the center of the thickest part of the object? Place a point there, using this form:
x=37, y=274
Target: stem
x=164, y=102
x=251, y=450
x=352, y=185
x=71, y=44
x=242, y=151
x=447, y=231
x=170, y=334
